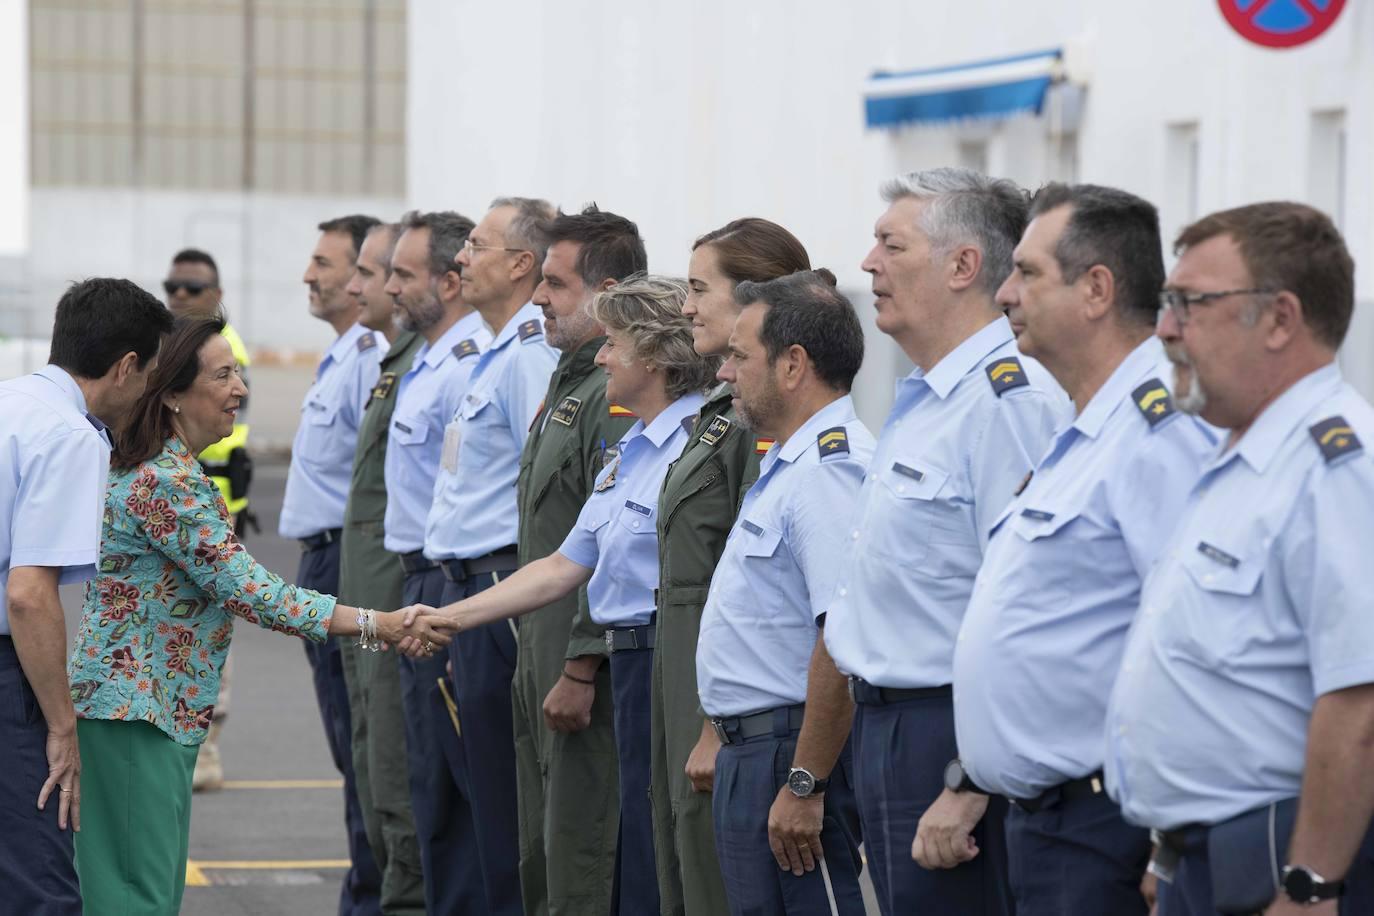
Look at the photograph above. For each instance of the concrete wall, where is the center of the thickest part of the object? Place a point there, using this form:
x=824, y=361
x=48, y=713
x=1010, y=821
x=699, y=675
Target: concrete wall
x=683, y=116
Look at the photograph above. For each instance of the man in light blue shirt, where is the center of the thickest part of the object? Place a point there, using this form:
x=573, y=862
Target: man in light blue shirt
x=54, y=460
x=312, y=509
x=472, y=523
x=1245, y=701
x=966, y=427
x=763, y=674
x=1042, y=637
x=424, y=283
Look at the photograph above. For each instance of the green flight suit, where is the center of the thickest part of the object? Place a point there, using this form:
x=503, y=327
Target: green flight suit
x=370, y=576
x=568, y=787
x=696, y=509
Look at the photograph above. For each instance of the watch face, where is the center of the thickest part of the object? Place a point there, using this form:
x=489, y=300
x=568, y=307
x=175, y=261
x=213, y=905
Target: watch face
x=954, y=775
x=1298, y=885
x=801, y=782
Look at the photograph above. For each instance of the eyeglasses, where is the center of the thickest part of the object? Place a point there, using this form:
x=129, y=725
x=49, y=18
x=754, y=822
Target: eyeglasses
x=470, y=247
x=192, y=287
x=1181, y=303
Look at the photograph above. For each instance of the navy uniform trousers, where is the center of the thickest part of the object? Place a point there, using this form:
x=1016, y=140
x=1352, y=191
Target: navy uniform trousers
x=37, y=870
x=438, y=784
x=749, y=774
x=636, y=887
x=1076, y=856
x=483, y=669
x=1190, y=893
x=362, y=885
x=902, y=749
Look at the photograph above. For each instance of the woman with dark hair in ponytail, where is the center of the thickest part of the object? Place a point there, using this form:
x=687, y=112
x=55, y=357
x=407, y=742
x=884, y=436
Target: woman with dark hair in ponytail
x=156, y=627
x=697, y=508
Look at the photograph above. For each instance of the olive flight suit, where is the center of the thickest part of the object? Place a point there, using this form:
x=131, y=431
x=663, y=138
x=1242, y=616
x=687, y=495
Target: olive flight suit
x=370, y=577
x=567, y=783
x=696, y=509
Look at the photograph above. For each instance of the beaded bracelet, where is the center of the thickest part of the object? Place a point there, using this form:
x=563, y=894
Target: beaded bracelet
x=367, y=630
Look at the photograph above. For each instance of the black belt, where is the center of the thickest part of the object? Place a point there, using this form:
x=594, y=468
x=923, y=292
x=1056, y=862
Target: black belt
x=1073, y=790
x=1190, y=838
x=496, y=561
x=323, y=539
x=624, y=639
x=779, y=722
x=861, y=691
x=416, y=562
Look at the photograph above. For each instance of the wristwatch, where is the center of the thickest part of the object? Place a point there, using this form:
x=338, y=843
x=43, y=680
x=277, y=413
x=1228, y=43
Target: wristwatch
x=1303, y=885
x=803, y=784
x=957, y=780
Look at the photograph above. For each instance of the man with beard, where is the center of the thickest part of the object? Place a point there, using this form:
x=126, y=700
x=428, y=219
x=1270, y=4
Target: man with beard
x=1042, y=638
x=312, y=509
x=966, y=427
x=1242, y=721
x=565, y=748
x=372, y=577
x=473, y=523
x=426, y=288
x=787, y=828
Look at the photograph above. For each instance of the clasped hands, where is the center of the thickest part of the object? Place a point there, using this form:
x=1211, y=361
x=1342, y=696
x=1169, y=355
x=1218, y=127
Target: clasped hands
x=416, y=630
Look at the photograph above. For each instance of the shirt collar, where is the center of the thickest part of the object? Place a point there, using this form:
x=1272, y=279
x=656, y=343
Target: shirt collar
x=1277, y=421
x=1139, y=364
x=836, y=413
x=959, y=362
x=529, y=311
x=462, y=329
x=669, y=421
x=68, y=386
x=343, y=342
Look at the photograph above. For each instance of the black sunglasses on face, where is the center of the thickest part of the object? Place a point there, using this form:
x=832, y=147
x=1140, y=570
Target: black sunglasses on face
x=192, y=287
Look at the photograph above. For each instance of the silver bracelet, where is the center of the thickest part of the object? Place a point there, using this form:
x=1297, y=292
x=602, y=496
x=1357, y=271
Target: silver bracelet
x=367, y=630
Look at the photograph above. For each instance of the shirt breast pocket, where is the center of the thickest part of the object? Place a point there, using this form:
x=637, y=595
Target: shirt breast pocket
x=409, y=431
x=1212, y=624
x=762, y=549
x=918, y=510
x=481, y=423
x=635, y=518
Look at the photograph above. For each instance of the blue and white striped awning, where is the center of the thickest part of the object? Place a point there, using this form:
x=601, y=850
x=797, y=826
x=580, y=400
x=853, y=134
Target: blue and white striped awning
x=986, y=89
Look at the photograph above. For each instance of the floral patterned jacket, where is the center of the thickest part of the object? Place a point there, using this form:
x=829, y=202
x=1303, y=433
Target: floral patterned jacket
x=160, y=613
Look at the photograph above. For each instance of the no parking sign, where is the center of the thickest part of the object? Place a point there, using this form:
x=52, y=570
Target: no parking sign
x=1280, y=23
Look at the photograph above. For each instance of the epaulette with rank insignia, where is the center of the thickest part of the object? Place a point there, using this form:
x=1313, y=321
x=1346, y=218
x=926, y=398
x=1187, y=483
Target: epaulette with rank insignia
x=1335, y=438
x=1006, y=374
x=466, y=348
x=530, y=330
x=366, y=342
x=833, y=443
x=716, y=430
x=1154, y=402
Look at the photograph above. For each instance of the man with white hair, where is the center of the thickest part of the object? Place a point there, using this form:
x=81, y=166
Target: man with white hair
x=967, y=426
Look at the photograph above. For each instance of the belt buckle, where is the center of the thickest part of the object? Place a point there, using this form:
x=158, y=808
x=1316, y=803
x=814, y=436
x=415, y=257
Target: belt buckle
x=849, y=685
x=721, y=734
x=610, y=641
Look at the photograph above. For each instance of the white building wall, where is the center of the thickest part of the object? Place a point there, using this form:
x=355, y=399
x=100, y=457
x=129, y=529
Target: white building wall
x=683, y=116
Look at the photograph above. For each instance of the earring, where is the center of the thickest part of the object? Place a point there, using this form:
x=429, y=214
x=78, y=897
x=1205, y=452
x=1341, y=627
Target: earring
x=176, y=408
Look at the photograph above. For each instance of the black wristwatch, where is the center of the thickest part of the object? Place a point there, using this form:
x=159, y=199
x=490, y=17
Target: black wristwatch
x=803, y=784
x=956, y=778
x=1303, y=885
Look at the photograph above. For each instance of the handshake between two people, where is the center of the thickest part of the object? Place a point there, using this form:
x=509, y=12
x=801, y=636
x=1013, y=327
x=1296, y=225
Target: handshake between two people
x=416, y=630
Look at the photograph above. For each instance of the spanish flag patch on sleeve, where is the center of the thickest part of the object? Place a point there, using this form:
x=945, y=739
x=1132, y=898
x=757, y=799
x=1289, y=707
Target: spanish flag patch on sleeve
x=762, y=445
x=618, y=411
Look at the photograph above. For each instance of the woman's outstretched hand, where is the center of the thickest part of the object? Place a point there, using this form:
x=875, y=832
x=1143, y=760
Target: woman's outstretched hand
x=416, y=630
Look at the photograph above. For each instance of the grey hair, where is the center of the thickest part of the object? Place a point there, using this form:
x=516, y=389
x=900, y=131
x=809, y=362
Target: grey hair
x=967, y=207
x=526, y=227
x=395, y=230
x=648, y=309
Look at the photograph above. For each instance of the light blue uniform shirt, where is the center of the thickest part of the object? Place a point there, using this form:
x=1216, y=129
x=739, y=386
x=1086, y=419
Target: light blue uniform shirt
x=958, y=442
x=1044, y=631
x=618, y=522
x=1258, y=605
x=427, y=398
x=322, y=452
x=777, y=572
x=474, y=507
x=54, y=461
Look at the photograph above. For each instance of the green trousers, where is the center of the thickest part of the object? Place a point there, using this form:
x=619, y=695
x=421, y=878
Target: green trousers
x=135, y=818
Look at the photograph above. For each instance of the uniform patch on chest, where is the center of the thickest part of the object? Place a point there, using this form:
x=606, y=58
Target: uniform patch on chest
x=566, y=411
x=1216, y=553
x=382, y=390
x=716, y=430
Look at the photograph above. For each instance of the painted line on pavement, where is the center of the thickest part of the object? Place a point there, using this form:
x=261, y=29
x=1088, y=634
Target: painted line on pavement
x=283, y=784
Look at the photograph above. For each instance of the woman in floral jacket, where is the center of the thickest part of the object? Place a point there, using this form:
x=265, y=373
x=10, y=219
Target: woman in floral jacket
x=157, y=624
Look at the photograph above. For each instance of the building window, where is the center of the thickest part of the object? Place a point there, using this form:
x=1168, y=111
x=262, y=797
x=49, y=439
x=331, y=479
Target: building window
x=1326, y=164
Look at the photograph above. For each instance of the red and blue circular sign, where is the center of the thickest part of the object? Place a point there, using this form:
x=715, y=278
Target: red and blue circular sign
x=1281, y=23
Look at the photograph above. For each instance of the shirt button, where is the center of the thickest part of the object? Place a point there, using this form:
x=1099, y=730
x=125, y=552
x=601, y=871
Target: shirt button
x=901, y=488
x=635, y=523
x=1121, y=729
x=1208, y=578
x=843, y=592
x=855, y=535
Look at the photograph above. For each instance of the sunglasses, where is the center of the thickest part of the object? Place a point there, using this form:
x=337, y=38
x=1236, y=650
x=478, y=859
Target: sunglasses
x=192, y=287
